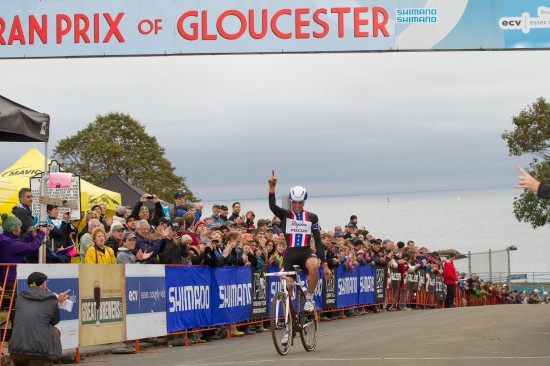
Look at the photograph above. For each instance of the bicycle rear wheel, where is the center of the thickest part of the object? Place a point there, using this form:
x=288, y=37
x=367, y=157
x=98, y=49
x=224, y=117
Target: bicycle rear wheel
x=308, y=329
x=277, y=323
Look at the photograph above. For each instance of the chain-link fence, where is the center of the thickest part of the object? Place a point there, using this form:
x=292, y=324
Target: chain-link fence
x=493, y=265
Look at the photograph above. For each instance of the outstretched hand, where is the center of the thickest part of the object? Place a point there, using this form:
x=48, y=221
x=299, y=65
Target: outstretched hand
x=527, y=181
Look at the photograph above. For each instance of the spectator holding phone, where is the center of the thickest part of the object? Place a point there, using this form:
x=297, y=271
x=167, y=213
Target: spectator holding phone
x=143, y=213
x=62, y=229
x=14, y=250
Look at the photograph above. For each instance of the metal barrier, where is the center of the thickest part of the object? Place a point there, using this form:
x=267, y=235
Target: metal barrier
x=7, y=297
x=395, y=299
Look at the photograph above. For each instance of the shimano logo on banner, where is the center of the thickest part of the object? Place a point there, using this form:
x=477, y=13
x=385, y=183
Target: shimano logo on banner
x=366, y=284
x=235, y=295
x=347, y=285
x=416, y=15
x=184, y=298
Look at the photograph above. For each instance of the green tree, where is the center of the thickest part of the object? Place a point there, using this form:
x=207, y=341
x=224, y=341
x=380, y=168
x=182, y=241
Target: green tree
x=531, y=135
x=117, y=143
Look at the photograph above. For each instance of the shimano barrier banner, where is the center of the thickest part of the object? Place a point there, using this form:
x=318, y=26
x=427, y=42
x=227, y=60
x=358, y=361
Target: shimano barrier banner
x=318, y=294
x=74, y=28
x=232, y=295
x=258, y=310
x=347, y=287
x=60, y=279
x=188, y=297
x=145, y=301
x=367, y=288
x=381, y=279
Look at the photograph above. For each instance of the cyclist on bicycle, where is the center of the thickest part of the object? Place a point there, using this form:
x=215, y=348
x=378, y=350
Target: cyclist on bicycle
x=299, y=226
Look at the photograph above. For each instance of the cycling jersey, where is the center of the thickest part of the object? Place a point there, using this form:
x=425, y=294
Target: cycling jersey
x=298, y=228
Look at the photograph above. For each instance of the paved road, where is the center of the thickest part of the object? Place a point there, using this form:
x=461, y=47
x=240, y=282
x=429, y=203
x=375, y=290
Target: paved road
x=491, y=335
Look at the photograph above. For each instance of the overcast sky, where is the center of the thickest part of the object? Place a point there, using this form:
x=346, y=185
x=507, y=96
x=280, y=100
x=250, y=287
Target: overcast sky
x=335, y=123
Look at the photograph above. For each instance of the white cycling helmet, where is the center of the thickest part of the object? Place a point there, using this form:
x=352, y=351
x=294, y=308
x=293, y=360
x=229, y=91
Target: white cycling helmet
x=298, y=194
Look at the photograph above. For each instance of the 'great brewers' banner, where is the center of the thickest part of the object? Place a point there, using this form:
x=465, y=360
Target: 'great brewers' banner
x=65, y=28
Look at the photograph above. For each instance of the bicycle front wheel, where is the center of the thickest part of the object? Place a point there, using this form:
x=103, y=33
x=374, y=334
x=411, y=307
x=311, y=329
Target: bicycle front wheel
x=277, y=323
x=308, y=329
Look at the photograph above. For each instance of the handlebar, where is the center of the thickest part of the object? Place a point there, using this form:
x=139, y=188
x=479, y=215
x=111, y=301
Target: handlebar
x=282, y=274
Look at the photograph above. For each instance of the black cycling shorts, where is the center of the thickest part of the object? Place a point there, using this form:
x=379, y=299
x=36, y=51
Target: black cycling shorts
x=296, y=256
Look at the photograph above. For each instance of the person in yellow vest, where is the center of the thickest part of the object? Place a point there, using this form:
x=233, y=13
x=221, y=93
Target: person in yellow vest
x=99, y=253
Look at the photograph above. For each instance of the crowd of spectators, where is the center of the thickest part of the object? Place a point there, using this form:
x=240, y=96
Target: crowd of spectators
x=220, y=238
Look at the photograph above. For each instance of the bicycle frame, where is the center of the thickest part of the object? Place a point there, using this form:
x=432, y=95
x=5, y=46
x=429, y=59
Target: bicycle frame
x=298, y=284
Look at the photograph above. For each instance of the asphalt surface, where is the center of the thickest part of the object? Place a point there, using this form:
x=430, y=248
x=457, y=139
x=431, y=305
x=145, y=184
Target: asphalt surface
x=488, y=335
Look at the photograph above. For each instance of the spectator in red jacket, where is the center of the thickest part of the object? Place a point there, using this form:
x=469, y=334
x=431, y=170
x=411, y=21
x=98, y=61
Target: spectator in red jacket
x=450, y=279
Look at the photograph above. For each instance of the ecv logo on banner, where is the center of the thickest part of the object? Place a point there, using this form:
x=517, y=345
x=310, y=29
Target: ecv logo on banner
x=145, y=301
x=231, y=295
x=188, y=300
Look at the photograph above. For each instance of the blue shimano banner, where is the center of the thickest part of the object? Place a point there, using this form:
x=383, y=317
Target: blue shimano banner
x=274, y=286
x=367, y=282
x=188, y=297
x=231, y=295
x=347, y=287
x=318, y=295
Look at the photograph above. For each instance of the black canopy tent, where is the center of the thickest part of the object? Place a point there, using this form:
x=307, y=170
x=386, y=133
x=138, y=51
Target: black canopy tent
x=130, y=194
x=21, y=124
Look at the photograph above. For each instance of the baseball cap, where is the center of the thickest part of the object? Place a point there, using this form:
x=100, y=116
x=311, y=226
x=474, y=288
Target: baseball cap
x=116, y=226
x=165, y=221
x=212, y=225
x=128, y=236
x=179, y=194
x=36, y=279
x=121, y=210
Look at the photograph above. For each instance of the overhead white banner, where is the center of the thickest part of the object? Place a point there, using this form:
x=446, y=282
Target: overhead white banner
x=72, y=28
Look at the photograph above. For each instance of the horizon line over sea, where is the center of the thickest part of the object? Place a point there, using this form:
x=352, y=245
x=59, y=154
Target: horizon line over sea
x=482, y=219
x=458, y=190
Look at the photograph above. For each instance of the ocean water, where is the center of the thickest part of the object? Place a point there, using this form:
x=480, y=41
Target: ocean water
x=479, y=221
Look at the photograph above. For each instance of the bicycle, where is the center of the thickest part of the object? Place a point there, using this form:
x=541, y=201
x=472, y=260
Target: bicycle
x=284, y=314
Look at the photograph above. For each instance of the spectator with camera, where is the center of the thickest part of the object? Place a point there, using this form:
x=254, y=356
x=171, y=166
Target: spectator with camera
x=207, y=255
x=176, y=250
x=61, y=229
x=142, y=211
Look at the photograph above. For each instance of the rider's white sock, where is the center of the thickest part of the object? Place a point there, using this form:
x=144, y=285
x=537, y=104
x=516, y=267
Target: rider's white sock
x=309, y=295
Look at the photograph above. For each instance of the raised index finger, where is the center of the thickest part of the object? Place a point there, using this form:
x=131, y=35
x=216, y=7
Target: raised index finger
x=273, y=172
x=521, y=170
